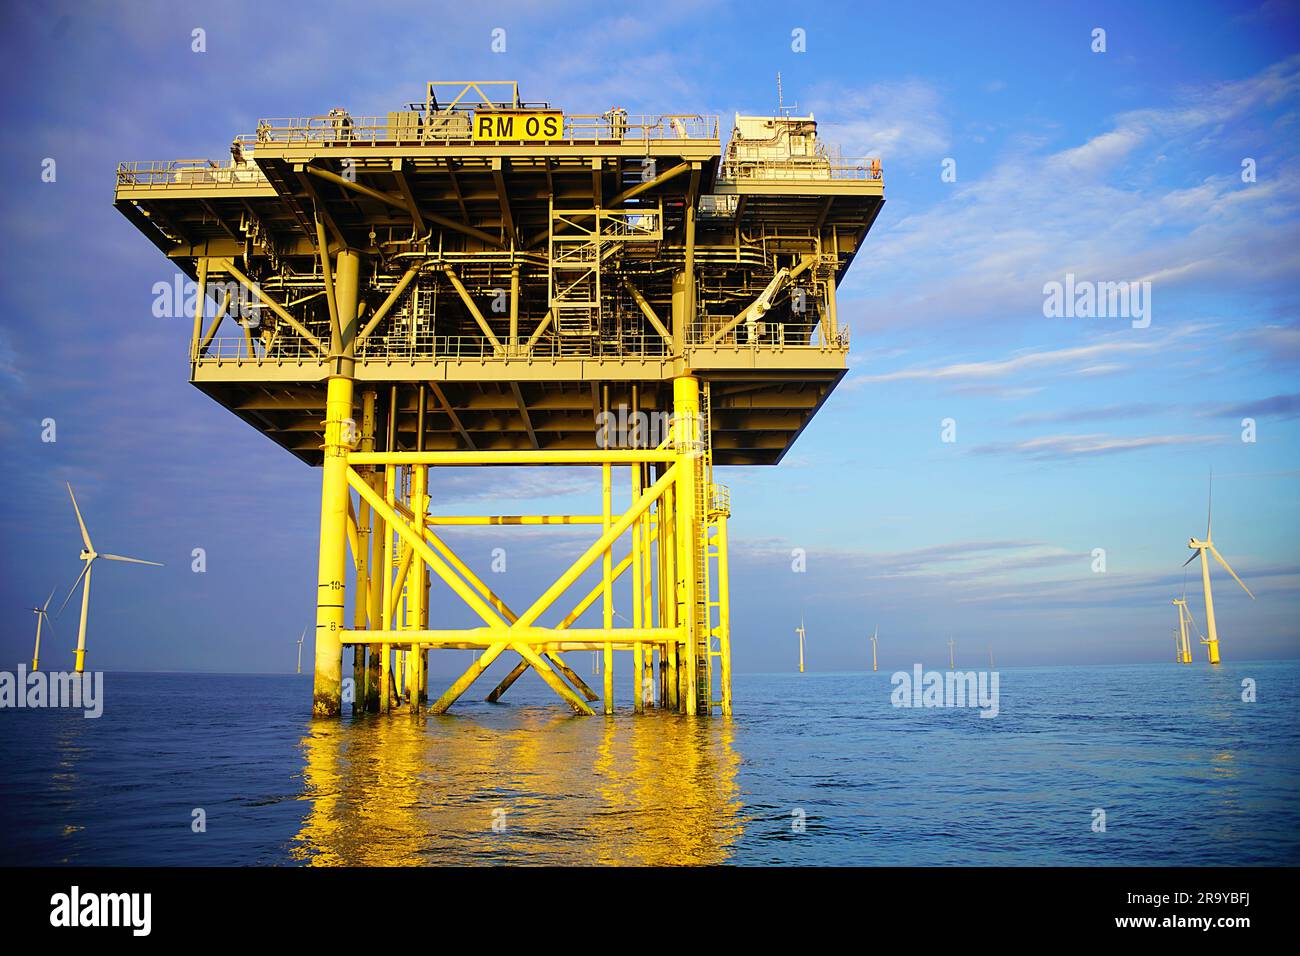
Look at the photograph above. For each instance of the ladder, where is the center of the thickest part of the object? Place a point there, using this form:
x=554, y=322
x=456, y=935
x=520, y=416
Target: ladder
x=702, y=613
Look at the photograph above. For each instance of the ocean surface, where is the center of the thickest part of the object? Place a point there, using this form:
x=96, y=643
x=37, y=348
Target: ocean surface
x=811, y=769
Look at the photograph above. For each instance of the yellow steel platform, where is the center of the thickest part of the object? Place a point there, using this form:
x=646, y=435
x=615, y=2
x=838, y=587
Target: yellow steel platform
x=476, y=279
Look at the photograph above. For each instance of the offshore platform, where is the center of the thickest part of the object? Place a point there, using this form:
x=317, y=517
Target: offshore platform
x=479, y=280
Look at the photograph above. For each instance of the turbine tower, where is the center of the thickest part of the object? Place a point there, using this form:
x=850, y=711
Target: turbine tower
x=89, y=554
x=1205, y=548
x=952, y=660
x=301, y=638
x=873, y=647
x=800, y=631
x=1184, y=616
x=41, y=616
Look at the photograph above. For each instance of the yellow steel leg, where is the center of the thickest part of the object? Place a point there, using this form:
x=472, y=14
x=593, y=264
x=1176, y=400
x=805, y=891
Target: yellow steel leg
x=332, y=569
x=724, y=616
x=417, y=583
x=516, y=672
x=360, y=610
x=545, y=672
x=386, y=618
x=327, y=686
x=638, y=693
x=607, y=572
x=668, y=594
x=686, y=408
x=379, y=535
x=563, y=667
x=452, y=694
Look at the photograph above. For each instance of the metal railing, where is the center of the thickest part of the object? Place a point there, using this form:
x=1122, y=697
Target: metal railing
x=811, y=170
x=189, y=172
x=769, y=335
x=424, y=347
x=414, y=127
x=287, y=347
x=401, y=346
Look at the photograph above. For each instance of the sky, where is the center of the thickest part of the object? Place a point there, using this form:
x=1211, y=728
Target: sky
x=1015, y=154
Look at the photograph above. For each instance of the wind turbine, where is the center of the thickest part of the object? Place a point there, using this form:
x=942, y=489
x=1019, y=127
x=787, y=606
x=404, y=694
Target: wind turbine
x=1205, y=548
x=301, y=638
x=873, y=647
x=952, y=660
x=800, y=631
x=990, y=657
x=1184, y=615
x=89, y=554
x=41, y=616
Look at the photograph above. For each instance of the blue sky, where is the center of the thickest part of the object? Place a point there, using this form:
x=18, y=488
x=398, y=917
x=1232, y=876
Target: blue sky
x=1072, y=434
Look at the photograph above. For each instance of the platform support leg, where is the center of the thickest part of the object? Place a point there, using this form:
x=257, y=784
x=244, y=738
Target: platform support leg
x=331, y=587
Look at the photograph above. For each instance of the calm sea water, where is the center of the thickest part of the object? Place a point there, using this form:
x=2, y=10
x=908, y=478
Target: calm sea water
x=1186, y=772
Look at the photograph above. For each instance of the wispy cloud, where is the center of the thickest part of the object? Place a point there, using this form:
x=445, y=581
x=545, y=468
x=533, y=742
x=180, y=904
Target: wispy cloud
x=1132, y=411
x=901, y=119
x=1081, y=356
x=1112, y=207
x=1056, y=447
x=1275, y=406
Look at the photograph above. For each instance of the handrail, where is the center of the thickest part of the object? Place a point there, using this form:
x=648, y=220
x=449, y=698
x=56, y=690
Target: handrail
x=401, y=346
x=813, y=170
x=189, y=172
x=769, y=335
x=417, y=127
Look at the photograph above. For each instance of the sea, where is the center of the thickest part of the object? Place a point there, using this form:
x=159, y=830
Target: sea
x=1139, y=765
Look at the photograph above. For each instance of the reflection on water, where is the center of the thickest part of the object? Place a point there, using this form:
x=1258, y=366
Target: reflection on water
x=658, y=790
x=878, y=784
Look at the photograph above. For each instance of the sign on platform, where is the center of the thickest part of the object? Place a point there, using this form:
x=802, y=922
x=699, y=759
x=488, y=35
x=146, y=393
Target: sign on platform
x=521, y=126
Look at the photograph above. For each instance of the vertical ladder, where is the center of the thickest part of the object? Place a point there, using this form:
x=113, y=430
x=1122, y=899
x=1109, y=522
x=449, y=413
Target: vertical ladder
x=703, y=610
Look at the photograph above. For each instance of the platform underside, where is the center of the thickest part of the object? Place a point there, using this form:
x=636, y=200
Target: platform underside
x=754, y=420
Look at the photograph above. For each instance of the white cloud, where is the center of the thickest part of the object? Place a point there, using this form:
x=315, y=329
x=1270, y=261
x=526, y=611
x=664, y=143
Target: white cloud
x=1055, y=447
x=889, y=121
x=1105, y=208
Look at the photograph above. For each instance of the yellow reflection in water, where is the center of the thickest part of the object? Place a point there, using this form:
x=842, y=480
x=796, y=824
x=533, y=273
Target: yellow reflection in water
x=653, y=790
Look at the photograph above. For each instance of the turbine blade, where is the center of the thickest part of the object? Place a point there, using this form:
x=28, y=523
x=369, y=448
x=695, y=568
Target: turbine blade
x=1195, y=555
x=49, y=599
x=85, y=535
x=1215, y=551
x=73, y=589
x=118, y=557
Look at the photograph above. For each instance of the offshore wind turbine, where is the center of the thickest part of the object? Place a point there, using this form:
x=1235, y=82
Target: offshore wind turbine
x=89, y=554
x=41, y=615
x=301, y=638
x=873, y=647
x=1184, y=615
x=1204, y=548
x=952, y=660
x=800, y=631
